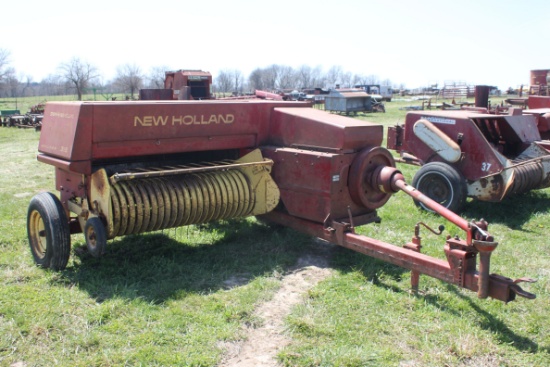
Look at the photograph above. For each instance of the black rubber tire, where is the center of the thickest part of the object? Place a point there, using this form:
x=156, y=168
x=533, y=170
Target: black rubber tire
x=48, y=232
x=443, y=184
x=96, y=236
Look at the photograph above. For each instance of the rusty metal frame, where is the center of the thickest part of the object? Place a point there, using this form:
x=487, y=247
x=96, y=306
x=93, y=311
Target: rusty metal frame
x=172, y=171
x=459, y=269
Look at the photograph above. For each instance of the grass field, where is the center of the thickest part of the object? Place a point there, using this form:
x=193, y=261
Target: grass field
x=164, y=299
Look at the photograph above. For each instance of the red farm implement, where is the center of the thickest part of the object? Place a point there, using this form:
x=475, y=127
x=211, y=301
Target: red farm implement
x=139, y=166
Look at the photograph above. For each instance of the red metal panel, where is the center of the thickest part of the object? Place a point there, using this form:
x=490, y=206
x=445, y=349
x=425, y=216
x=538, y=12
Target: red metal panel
x=155, y=94
x=66, y=131
x=83, y=167
x=539, y=77
x=538, y=102
x=395, y=138
x=76, y=131
x=70, y=184
x=135, y=128
x=523, y=126
x=313, y=184
x=268, y=95
x=159, y=120
x=317, y=129
x=543, y=119
x=458, y=126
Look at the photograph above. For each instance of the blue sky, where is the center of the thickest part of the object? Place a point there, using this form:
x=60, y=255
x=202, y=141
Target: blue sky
x=414, y=43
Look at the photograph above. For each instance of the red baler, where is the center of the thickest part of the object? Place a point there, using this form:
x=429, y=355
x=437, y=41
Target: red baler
x=132, y=167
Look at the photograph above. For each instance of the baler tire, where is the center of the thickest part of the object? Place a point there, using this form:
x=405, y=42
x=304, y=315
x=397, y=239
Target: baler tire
x=48, y=232
x=443, y=184
x=96, y=236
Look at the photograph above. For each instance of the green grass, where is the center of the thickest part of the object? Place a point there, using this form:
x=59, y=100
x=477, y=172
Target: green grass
x=163, y=298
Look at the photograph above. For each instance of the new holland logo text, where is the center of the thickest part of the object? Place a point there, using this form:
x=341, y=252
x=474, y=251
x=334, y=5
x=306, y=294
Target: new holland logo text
x=183, y=120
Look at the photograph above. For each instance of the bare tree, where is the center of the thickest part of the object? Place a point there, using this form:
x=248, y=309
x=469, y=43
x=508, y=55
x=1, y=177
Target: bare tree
x=256, y=79
x=304, y=77
x=358, y=79
x=224, y=81
x=238, y=81
x=346, y=79
x=318, y=79
x=334, y=75
x=78, y=74
x=13, y=85
x=156, y=77
x=271, y=77
x=286, y=78
x=4, y=64
x=278, y=77
x=26, y=86
x=129, y=78
x=372, y=79
x=361, y=79
x=52, y=85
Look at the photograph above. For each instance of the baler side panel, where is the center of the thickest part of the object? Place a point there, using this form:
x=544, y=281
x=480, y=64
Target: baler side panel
x=479, y=158
x=148, y=129
x=538, y=102
x=313, y=184
x=307, y=127
x=66, y=131
x=542, y=116
x=125, y=130
x=524, y=127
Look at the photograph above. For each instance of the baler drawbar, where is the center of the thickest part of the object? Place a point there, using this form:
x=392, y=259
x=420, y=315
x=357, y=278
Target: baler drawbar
x=134, y=167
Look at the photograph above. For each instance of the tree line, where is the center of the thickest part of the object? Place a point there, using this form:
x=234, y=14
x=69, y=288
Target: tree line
x=80, y=77
x=282, y=78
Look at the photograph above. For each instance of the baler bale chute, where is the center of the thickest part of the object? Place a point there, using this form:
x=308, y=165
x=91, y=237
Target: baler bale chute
x=134, y=167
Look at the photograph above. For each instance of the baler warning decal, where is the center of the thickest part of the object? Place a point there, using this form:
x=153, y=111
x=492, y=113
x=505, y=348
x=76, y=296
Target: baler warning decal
x=439, y=120
x=62, y=115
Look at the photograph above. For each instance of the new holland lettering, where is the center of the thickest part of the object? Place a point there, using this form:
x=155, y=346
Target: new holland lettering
x=150, y=121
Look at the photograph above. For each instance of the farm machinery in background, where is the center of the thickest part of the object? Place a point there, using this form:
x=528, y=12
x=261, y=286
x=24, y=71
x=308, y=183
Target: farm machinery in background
x=133, y=167
x=196, y=85
x=181, y=85
x=32, y=119
x=538, y=101
x=6, y=117
x=377, y=91
x=487, y=153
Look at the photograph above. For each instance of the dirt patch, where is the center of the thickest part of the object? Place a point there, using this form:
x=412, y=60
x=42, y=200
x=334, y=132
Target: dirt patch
x=261, y=345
